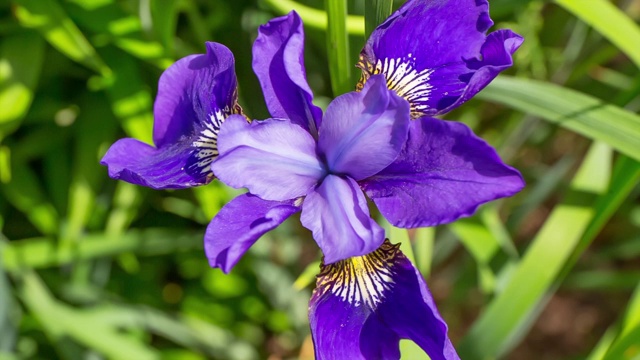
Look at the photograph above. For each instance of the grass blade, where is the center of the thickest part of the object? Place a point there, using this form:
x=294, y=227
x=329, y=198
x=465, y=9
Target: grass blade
x=568, y=108
x=338, y=47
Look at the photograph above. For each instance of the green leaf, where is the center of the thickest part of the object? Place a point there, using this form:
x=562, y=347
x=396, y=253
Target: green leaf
x=338, y=47
x=60, y=321
x=50, y=19
x=21, y=58
x=508, y=315
x=315, y=18
x=44, y=252
x=375, y=12
x=627, y=343
x=610, y=21
x=570, y=109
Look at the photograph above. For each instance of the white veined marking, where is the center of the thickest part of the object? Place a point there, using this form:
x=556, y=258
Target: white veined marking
x=405, y=80
x=361, y=280
x=207, y=142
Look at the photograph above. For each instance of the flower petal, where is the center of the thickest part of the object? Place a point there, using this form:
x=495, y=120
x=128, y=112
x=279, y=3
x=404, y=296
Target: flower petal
x=278, y=61
x=139, y=163
x=337, y=214
x=194, y=92
x=239, y=224
x=363, y=306
x=443, y=173
x=435, y=71
x=363, y=132
x=274, y=159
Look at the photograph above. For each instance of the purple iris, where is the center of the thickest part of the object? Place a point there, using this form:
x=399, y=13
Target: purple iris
x=195, y=95
x=436, y=54
x=299, y=160
x=363, y=306
x=278, y=160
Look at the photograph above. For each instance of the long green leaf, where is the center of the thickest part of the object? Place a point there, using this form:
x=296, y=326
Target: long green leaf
x=571, y=109
x=610, y=21
x=375, y=12
x=50, y=19
x=338, y=47
x=21, y=58
x=44, y=252
x=60, y=321
x=315, y=18
x=506, y=317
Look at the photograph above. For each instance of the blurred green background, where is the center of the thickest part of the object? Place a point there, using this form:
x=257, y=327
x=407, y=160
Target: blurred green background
x=92, y=268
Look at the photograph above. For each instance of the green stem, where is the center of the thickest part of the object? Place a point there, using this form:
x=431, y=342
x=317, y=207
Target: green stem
x=375, y=12
x=338, y=46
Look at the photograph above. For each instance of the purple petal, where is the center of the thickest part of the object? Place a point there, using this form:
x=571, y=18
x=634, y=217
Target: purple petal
x=443, y=173
x=193, y=93
x=274, y=158
x=239, y=224
x=278, y=61
x=436, y=70
x=363, y=306
x=337, y=214
x=363, y=132
x=138, y=163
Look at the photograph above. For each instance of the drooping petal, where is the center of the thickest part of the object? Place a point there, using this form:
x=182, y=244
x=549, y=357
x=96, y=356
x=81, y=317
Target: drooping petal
x=363, y=306
x=275, y=159
x=195, y=95
x=443, y=173
x=363, y=132
x=278, y=61
x=337, y=214
x=239, y=224
x=435, y=70
x=133, y=161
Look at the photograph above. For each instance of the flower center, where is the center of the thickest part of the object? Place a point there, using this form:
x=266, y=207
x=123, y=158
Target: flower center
x=403, y=78
x=206, y=144
x=362, y=279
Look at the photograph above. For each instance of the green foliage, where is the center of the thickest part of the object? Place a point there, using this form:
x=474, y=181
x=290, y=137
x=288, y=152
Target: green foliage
x=91, y=267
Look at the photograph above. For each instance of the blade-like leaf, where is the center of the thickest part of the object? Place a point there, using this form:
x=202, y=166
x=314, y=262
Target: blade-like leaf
x=610, y=21
x=571, y=109
x=50, y=19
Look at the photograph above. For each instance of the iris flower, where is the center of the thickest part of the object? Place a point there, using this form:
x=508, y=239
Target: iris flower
x=300, y=160
x=195, y=95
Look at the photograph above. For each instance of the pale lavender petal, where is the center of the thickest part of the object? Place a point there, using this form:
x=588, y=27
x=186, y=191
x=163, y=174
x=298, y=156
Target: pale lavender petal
x=239, y=224
x=363, y=132
x=435, y=71
x=275, y=159
x=337, y=214
x=363, y=306
x=192, y=91
x=278, y=61
x=444, y=172
x=133, y=161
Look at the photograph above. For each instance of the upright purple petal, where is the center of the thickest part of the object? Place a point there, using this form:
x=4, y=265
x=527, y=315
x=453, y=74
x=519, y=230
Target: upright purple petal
x=362, y=133
x=274, y=158
x=239, y=224
x=278, y=61
x=443, y=173
x=337, y=214
x=193, y=91
x=431, y=50
x=363, y=306
x=195, y=95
